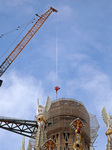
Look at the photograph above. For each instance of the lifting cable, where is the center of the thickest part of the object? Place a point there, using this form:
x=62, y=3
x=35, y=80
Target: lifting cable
x=56, y=87
x=57, y=50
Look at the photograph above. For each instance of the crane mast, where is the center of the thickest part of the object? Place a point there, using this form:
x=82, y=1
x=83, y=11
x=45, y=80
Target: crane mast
x=12, y=56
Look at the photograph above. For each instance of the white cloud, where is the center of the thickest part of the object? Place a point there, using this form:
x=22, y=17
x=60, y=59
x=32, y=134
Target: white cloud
x=77, y=58
x=95, y=84
x=19, y=96
x=18, y=99
x=13, y=3
x=65, y=13
x=18, y=6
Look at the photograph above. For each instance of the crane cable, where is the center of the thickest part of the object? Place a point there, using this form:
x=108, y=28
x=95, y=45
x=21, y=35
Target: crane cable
x=16, y=29
x=13, y=30
x=57, y=50
x=56, y=87
x=19, y=27
x=24, y=25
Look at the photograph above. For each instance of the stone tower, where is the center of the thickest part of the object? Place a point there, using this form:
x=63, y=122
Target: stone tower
x=62, y=112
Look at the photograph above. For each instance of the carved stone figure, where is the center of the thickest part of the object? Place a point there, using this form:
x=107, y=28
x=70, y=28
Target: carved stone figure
x=108, y=121
x=41, y=120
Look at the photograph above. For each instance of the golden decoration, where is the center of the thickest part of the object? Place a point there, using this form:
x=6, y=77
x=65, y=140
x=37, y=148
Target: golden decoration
x=41, y=118
x=108, y=132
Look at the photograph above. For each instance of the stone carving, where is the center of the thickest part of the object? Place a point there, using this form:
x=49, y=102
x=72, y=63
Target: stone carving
x=41, y=121
x=108, y=121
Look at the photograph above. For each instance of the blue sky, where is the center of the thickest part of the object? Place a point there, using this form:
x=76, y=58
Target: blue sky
x=81, y=33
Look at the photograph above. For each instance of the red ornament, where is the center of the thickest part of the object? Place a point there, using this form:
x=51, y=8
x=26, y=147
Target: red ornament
x=50, y=145
x=57, y=88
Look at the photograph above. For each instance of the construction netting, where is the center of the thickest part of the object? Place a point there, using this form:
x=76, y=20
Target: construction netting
x=94, y=127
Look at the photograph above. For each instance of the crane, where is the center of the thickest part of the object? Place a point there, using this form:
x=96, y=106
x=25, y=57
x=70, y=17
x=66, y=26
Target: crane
x=17, y=50
x=24, y=127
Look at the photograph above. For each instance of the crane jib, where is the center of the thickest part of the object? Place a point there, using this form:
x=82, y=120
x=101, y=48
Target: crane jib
x=12, y=56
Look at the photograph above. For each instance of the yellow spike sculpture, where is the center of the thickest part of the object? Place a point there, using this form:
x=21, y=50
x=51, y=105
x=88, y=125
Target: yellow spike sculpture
x=77, y=124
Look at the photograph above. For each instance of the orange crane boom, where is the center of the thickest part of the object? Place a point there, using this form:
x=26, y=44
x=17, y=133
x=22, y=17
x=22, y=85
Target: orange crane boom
x=8, y=61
